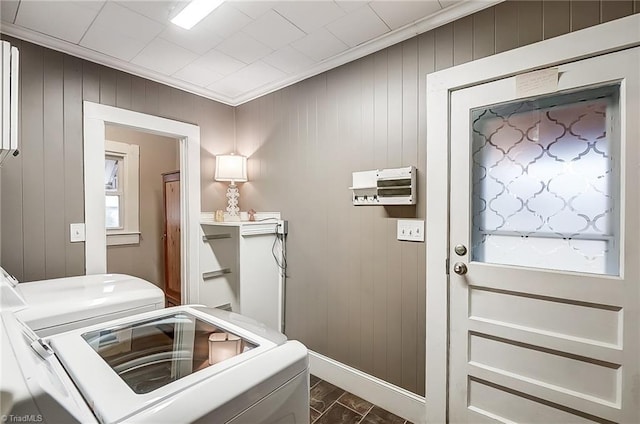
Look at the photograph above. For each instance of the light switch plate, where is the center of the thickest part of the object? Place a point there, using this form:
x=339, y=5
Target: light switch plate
x=411, y=229
x=77, y=232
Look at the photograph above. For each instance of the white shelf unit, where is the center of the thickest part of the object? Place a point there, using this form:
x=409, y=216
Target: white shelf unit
x=392, y=186
x=238, y=269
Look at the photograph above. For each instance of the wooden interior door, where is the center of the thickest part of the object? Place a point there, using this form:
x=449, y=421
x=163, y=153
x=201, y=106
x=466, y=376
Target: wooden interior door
x=544, y=252
x=171, y=236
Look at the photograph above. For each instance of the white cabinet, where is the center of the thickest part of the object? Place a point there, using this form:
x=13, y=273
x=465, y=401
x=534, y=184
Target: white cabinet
x=240, y=267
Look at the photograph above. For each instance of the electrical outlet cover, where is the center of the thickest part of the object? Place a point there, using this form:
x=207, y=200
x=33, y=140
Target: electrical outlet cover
x=77, y=232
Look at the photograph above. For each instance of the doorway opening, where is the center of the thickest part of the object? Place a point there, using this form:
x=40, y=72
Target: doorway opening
x=96, y=120
x=136, y=163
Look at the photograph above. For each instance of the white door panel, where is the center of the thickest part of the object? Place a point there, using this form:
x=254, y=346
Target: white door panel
x=544, y=196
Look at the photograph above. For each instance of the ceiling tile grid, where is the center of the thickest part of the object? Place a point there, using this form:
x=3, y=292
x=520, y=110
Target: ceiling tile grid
x=242, y=49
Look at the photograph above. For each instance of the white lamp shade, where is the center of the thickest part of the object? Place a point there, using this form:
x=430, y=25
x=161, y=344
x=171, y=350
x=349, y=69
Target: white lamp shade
x=231, y=168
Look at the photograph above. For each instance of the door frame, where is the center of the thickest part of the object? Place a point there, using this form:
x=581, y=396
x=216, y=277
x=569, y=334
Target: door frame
x=96, y=116
x=604, y=38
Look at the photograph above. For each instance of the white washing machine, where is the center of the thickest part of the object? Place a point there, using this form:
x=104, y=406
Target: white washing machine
x=62, y=304
x=176, y=365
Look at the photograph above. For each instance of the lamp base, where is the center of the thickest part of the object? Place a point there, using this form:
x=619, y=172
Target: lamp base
x=233, y=194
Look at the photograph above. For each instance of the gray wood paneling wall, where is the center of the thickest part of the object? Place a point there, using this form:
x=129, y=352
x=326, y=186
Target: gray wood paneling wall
x=43, y=188
x=354, y=292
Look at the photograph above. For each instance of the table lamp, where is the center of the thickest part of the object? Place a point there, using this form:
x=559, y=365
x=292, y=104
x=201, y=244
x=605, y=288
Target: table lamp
x=232, y=168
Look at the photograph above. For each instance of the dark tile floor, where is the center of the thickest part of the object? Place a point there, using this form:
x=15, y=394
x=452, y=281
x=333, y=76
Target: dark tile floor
x=332, y=405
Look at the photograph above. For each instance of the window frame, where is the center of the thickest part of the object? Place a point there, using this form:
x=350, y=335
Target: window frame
x=128, y=190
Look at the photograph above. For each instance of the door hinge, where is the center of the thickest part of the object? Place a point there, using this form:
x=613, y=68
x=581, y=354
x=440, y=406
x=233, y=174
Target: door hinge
x=446, y=266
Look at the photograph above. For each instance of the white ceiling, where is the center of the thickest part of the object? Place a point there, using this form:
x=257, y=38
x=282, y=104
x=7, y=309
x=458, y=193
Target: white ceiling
x=243, y=50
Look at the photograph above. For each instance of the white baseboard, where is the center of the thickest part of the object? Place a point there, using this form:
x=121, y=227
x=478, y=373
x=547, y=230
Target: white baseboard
x=387, y=396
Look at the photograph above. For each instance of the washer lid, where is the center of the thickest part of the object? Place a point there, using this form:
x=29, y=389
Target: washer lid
x=64, y=300
x=132, y=364
x=33, y=379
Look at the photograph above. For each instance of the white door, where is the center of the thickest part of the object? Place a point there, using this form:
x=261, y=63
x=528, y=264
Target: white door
x=544, y=248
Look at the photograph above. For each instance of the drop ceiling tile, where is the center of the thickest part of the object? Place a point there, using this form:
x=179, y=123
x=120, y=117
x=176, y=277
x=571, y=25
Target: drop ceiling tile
x=199, y=39
x=71, y=20
x=243, y=47
x=161, y=11
x=164, y=57
x=273, y=30
x=309, y=15
x=198, y=75
x=254, y=9
x=289, y=60
x=320, y=45
x=358, y=26
x=120, y=32
x=249, y=78
x=8, y=10
x=399, y=13
x=224, y=21
x=350, y=5
x=219, y=63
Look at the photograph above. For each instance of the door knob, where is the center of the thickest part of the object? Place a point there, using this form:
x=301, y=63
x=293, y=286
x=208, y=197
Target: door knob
x=459, y=268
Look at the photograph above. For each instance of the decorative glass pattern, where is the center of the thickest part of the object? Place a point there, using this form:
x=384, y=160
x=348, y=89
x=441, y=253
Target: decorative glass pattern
x=545, y=183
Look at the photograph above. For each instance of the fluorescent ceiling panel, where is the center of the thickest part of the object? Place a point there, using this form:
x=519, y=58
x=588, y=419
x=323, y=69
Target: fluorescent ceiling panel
x=194, y=12
x=200, y=39
x=226, y=20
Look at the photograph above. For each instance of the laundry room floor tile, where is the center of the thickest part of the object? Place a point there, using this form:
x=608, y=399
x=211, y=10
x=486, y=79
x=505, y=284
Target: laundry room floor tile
x=333, y=405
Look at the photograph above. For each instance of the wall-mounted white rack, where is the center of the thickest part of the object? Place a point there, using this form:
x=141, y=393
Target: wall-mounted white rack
x=392, y=186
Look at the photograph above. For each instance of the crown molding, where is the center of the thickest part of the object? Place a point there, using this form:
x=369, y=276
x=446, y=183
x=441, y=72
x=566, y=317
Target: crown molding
x=428, y=23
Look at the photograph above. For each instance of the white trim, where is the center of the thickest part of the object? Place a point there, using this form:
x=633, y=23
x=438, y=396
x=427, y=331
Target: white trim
x=604, y=38
x=444, y=16
x=379, y=392
x=95, y=118
x=126, y=238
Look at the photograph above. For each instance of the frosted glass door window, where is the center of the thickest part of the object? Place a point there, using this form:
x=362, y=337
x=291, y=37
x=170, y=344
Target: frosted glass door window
x=545, y=182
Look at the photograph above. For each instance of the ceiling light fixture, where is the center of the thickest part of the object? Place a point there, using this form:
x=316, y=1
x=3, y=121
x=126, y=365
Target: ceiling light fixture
x=195, y=12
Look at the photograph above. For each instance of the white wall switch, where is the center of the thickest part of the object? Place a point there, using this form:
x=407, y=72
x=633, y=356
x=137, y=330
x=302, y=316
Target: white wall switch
x=411, y=229
x=77, y=232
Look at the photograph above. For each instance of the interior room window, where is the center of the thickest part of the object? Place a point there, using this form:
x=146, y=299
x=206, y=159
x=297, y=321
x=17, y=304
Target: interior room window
x=113, y=192
x=121, y=185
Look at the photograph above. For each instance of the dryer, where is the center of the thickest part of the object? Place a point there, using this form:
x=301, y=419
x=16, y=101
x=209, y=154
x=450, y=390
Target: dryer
x=181, y=364
x=62, y=304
